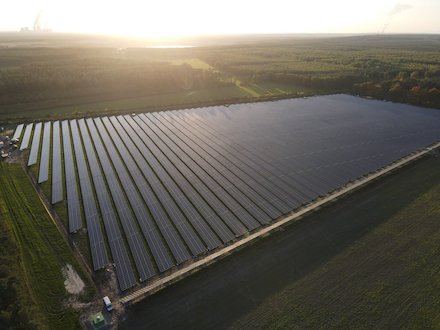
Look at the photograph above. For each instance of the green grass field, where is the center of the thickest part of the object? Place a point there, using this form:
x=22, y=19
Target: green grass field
x=196, y=63
x=389, y=278
x=123, y=105
x=42, y=252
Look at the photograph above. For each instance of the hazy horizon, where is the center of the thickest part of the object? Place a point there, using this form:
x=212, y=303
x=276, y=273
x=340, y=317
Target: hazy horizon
x=194, y=17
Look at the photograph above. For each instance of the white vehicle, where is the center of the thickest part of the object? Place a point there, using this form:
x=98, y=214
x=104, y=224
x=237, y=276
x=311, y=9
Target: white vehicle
x=108, y=303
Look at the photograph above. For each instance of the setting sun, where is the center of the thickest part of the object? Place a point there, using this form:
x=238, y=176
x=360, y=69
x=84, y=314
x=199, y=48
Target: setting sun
x=195, y=17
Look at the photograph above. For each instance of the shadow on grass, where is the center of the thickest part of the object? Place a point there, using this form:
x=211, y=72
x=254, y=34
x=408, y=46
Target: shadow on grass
x=225, y=291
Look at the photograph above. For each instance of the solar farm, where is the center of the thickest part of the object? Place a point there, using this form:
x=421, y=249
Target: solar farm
x=156, y=191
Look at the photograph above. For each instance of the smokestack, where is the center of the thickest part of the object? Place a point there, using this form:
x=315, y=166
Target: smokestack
x=37, y=22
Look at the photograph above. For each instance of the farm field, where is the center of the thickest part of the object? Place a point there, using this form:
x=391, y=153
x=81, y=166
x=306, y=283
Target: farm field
x=33, y=256
x=369, y=260
x=156, y=191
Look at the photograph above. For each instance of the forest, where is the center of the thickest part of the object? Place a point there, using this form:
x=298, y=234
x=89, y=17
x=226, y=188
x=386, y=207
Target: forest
x=398, y=68
x=402, y=68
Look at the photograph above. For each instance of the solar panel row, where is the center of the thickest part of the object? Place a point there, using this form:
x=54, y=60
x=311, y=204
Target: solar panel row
x=142, y=260
x=216, y=169
x=257, y=182
x=211, y=240
x=121, y=260
x=152, y=234
x=96, y=239
x=311, y=187
x=35, y=147
x=57, y=179
x=277, y=179
x=44, y=157
x=177, y=217
x=166, y=167
x=271, y=184
x=26, y=137
x=18, y=132
x=73, y=206
x=173, y=168
x=190, y=169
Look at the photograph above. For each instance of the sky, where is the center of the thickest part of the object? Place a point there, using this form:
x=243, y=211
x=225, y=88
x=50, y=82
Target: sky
x=171, y=18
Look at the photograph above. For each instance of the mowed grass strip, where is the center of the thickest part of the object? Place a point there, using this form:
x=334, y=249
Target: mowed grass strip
x=390, y=278
x=43, y=252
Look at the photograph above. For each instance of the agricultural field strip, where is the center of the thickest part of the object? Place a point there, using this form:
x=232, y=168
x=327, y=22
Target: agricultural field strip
x=180, y=182
x=94, y=231
x=221, y=176
x=33, y=155
x=57, y=172
x=45, y=153
x=121, y=260
x=73, y=204
x=151, y=234
x=17, y=132
x=149, y=188
x=191, y=169
x=259, y=193
x=134, y=238
x=26, y=137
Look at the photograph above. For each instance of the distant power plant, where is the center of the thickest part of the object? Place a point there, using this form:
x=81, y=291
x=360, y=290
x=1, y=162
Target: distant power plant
x=40, y=24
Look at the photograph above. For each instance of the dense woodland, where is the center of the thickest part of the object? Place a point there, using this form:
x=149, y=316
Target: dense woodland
x=404, y=68
x=400, y=68
x=104, y=77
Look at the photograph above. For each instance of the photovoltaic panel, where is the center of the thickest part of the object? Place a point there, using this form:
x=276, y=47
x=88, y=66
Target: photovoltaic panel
x=256, y=182
x=121, y=260
x=57, y=174
x=153, y=171
x=192, y=215
x=227, y=216
x=35, y=147
x=142, y=260
x=73, y=206
x=190, y=166
x=96, y=239
x=151, y=233
x=26, y=137
x=246, y=191
x=181, y=223
x=17, y=132
x=44, y=157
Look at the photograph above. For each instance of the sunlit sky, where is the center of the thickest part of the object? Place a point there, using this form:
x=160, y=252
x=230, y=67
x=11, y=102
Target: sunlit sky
x=200, y=17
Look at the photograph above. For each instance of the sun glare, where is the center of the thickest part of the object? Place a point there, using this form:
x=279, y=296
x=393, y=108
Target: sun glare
x=194, y=17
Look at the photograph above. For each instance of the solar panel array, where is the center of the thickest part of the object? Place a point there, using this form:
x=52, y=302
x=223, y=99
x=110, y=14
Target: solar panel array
x=33, y=156
x=17, y=132
x=160, y=189
x=26, y=137
x=43, y=175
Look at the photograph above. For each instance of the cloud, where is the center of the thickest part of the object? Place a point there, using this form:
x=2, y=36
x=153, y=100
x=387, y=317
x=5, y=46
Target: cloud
x=399, y=7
